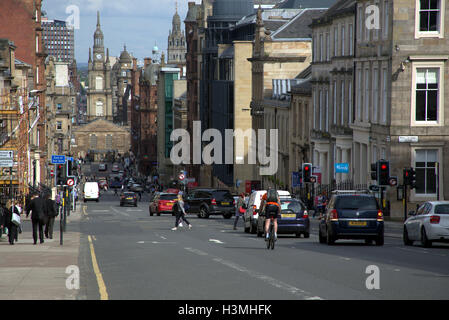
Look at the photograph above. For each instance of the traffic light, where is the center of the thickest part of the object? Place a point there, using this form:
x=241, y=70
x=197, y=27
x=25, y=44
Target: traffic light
x=407, y=177
x=383, y=172
x=412, y=178
x=306, y=172
x=60, y=175
x=374, y=171
x=71, y=168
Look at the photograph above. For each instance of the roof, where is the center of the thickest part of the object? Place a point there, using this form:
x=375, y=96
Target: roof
x=192, y=13
x=339, y=7
x=270, y=16
x=304, y=87
x=305, y=73
x=296, y=4
x=299, y=26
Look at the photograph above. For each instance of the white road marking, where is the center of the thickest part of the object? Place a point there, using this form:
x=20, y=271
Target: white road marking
x=134, y=210
x=271, y=281
x=119, y=212
x=163, y=237
x=196, y=251
x=140, y=241
x=216, y=241
x=100, y=210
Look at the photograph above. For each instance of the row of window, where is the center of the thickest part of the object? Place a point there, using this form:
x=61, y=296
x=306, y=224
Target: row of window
x=93, y=140
x=178, y=43
x=337, y=42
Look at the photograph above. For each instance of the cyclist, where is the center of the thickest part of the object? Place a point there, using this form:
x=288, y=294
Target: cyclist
x=272, y=206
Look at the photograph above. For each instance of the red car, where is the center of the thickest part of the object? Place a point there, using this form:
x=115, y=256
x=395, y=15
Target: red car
x=163, y=203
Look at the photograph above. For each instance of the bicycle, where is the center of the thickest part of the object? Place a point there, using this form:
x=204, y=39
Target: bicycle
x=271, y=240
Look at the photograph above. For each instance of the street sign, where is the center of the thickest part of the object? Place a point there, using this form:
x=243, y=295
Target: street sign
x=57, y=159
x=7, y=163
x=342, y=168
x=6, y=154
x=374, y=188
x=181, y=177
x=70, y=182
x=296, y=182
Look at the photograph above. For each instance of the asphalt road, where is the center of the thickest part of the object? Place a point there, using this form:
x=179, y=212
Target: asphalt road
x=139, y=257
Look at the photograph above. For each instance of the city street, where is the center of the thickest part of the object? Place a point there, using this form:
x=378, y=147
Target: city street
x=139, y=257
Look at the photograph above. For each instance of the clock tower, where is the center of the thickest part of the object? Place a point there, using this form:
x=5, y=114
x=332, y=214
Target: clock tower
x=99, y=93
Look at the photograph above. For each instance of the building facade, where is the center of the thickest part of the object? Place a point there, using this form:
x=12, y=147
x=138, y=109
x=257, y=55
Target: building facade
x=176, y=51
x=59, y=39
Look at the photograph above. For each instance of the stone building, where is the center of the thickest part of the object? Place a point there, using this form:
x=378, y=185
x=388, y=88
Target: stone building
x=100, y=138
x=176, y=51
x=121, y=76
x=332, y=91
x=99, y=93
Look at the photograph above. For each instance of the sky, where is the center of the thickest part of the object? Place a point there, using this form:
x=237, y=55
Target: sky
x=140, y=24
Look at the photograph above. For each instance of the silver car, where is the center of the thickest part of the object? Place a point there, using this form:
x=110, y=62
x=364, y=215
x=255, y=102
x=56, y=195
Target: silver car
x=429, y=224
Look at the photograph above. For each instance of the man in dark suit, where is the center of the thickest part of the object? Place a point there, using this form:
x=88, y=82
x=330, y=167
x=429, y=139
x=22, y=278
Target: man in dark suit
x=39, y=217
x=52, y=214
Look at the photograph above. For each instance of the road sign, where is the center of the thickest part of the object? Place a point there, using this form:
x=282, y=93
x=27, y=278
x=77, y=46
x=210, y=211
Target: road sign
x=374, y=188
x=70, y=182
x=181, y=177
x=296, y=182
x=6, y=154
x=7, y=163
x=342, y=168
x=57, y=159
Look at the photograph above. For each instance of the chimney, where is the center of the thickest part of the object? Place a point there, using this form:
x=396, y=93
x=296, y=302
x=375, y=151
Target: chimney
x=191, y=4
x=147, y=61
x=135, y=64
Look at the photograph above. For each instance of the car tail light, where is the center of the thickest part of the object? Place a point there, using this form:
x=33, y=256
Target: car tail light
x=214, y=202
x=233, y=202
x=334, y=215
x=380, y=216
x=305, y=214
x=435, y=219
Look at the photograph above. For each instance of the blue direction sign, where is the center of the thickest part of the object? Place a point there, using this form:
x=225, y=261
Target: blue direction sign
x=296, y=181
x=342, y=168
x=57, y=159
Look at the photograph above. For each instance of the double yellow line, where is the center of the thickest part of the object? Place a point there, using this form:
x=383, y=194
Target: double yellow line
x=101, y=285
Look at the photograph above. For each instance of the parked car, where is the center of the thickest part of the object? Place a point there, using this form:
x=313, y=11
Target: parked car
x=128, y=198
x=252, y=213
x=91, y=191
x=162, y=203
x=429, y=224
x=352, y=215
x=102, y=167
x=294, y=219
x=206, y=202
x=115, y=168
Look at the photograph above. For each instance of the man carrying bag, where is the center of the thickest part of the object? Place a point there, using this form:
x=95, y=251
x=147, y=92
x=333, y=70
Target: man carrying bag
x=52, y=213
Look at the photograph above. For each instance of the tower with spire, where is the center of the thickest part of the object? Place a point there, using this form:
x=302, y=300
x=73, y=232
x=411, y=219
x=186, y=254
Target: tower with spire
x=99, y=93
x=176, y=42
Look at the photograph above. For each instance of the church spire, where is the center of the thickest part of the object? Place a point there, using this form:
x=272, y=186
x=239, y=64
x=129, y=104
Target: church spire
x=98, y=19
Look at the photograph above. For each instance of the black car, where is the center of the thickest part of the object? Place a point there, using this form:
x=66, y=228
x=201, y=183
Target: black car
x=128, y=198
x=206, y=202
x=294, y=219
x=352, y=215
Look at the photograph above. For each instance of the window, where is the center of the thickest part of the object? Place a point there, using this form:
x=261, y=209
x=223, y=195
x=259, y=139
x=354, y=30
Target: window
x=343, y=40
x=429, y=15
x=93, y=141
x=351, y=40
x=386, y=18
x=109, y=141
x=427, y=94
x=314, y=51
x=360, y=24
x=350, y=102
x=59, y=106
x=384, y=96
x=327, y=111
x=59, y=125
x=328, y=45
x=342, y=104
x=335, y=41
x=367, y=95
x=320, y=118
x=314, y=109
x=359, y=96
x=99, y=109
x=334, y=102
x=321, y=47
x=425, y=160
x=375, y=95
x=367, y=30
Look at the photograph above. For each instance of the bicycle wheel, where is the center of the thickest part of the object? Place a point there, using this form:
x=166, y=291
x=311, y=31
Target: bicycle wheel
x=272, y=238
x=269, y=242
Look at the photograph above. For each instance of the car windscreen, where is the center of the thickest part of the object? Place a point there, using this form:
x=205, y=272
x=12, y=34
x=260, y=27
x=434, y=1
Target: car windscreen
x=442, y=209
x=356, y=203
x=222, y=195
x=294, y=206
x=168, y=196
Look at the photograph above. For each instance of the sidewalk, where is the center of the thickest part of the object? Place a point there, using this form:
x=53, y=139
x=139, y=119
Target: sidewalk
x=37, y=272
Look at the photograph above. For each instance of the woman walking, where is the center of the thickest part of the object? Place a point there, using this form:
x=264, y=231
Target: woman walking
x=239, y=209
x=180, y=213
x=12, y=227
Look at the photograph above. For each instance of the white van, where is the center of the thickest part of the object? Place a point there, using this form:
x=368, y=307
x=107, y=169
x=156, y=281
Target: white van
x=251, y=215
x=91, y=191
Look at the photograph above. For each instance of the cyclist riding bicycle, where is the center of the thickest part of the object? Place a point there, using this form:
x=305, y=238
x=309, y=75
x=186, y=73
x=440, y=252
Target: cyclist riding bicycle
x=271, y=205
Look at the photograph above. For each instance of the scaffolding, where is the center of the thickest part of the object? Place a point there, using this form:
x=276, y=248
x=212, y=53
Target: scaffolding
x=14, y=135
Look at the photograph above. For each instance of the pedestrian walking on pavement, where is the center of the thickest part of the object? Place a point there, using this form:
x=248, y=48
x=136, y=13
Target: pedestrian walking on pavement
x=39, y=217
x=52, y=213
x=239, y=209
x=180, y=213
x=9, y=222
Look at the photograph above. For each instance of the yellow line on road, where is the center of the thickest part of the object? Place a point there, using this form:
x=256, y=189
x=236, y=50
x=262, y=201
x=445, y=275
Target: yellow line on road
x=101, y=285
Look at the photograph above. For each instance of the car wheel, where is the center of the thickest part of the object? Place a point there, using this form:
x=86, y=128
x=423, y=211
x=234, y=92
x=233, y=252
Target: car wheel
x=135, y=205
x=121, y=204
x=227, y=216
x=246, y=229
x=380, y=240
x=426, y=243
x=158, y=214
x=329, y=239
x=203, y=213
x=321, y=238
x=151, y=214
x=98, y=200
x=406, y=239
x=306, y=235
x=253, y=229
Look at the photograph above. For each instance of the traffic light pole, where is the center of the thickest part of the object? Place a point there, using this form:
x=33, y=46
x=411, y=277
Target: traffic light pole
x=404, y=201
